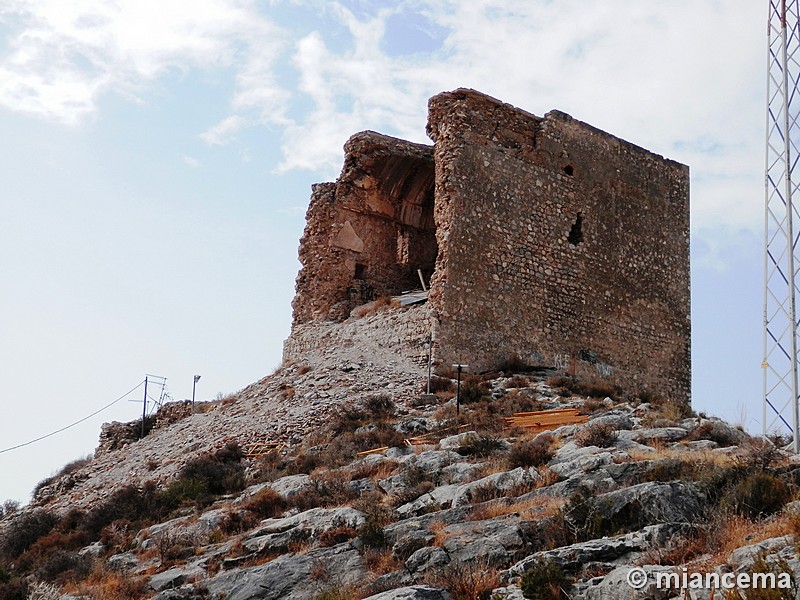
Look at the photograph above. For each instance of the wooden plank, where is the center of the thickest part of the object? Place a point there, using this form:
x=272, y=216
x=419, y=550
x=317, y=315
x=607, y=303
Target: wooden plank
x=259, y=449
x=543, y=420
x=373, y=451
x=554, y=411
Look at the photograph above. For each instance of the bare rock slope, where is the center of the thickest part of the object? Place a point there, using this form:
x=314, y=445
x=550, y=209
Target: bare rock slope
x=446, y=506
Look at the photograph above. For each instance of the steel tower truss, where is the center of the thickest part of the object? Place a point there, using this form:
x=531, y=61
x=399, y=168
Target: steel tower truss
x=781, y=252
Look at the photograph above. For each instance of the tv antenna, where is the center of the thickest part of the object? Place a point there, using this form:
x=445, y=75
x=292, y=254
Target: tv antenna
x=163, y=396
x=781, y=252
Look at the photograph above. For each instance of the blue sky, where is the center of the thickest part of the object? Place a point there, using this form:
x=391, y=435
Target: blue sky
x=157, y=159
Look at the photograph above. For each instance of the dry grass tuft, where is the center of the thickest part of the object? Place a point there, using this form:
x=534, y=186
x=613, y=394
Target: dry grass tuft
x=381, y=561
x=376, y=306
x=532, y=508
x=111, y=585
x=440, y=535
x=466, y=581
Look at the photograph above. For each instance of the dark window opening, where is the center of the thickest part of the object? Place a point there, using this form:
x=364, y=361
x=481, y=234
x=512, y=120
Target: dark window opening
x=575, y=236
x=361, y=271
x=569, y=170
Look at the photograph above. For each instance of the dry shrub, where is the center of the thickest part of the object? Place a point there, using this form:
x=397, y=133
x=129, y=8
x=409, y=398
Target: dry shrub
x=381, y=561
x=481, y=446
x=303, y=369
x=561, y=385
x=13, y=588
x=118, y=536
x=666, y=412
x=757, y=495
x=375, y=470
x=531, y=453
x=473, y=390
x=24, y=531
x=416, y=483
x=235, y=522
x=111, y=585
x=592, y=406
x=337, y=536
x=466, y=581
x=517, y=381
x=602, y=435
x=175, y=545
x=62, y=566
x=338, y=591
x=44, y=591
x=716, y=432
x=758, y=454
x=440, y=533
x=726, y=532
x=376, y=306
x=442, y=384
x=489, y=491
x=545, y=580
x=546, y=478
x=266, y=504
x=329, y=488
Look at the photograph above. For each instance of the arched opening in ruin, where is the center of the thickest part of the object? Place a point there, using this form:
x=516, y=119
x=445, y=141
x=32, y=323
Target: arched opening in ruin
x=398, y=230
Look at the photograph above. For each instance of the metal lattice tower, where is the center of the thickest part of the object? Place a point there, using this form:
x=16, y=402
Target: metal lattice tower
x=781, y=252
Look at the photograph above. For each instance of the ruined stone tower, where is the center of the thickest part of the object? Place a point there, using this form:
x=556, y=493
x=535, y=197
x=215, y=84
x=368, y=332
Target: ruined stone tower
x=544, y=240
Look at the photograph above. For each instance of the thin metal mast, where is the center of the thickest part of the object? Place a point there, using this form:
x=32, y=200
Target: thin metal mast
x=780, y=364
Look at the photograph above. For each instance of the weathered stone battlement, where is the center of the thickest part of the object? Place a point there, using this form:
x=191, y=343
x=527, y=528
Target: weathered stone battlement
x=544, y=240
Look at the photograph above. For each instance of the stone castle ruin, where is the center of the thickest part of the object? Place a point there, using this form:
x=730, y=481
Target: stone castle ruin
x=540, y=240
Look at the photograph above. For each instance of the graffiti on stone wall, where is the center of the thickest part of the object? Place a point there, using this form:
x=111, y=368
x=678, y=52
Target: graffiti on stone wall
x=561, y=361
x=604, y=370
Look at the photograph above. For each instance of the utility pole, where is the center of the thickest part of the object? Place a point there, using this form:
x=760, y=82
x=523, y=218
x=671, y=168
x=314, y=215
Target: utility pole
x=144, y=404
x=194, y=385
x=428, y=345
x=459, y=367
x=781, y=251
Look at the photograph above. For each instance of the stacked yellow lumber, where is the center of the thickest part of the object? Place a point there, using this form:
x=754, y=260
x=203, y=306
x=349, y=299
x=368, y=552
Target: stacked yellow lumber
x=257, y=450
x=543, y=420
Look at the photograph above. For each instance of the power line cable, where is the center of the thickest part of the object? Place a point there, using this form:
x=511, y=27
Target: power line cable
x=86, y=418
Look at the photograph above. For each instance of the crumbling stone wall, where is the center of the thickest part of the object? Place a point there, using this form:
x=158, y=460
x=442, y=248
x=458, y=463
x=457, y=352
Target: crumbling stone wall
x=368, y=233
x=550, y=243
x=559, y=245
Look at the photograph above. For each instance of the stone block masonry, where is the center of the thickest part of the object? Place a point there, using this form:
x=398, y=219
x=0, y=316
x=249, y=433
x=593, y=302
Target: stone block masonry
x=545, y=241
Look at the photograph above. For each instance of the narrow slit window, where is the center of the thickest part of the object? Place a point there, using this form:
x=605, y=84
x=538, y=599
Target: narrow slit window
x=575, y=236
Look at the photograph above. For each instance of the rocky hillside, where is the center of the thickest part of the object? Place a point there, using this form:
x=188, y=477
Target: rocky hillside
x=455, y=506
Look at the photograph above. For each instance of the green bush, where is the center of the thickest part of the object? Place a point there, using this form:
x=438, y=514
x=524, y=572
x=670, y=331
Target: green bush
x=482, y=447
x=207, y=477
x=15, y=588
x=758, y=495
x=25, y=531
x=471, y=391
x=545, y=580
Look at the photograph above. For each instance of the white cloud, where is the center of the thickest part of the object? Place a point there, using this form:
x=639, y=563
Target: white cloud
x=224, y=131
x=651, y=73
x=64, y=55
x=190, y=161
